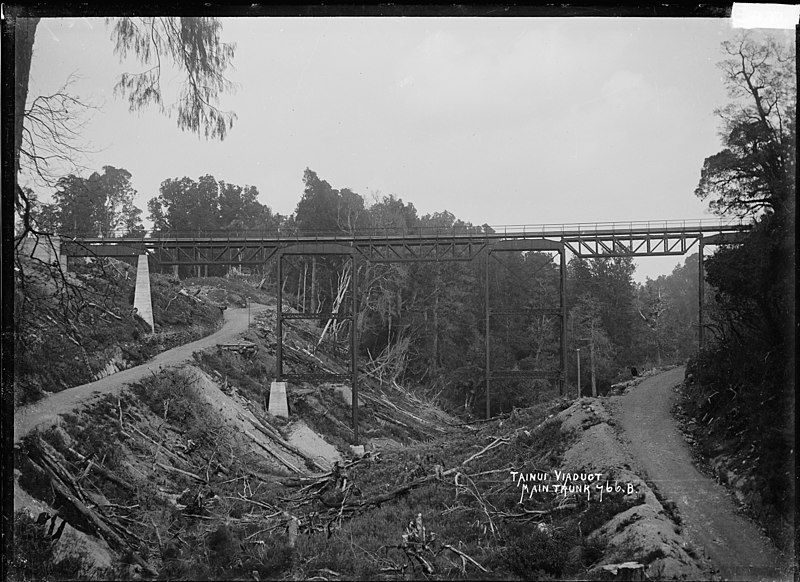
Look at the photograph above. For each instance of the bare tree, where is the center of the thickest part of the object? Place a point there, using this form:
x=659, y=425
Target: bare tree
x=51, y=134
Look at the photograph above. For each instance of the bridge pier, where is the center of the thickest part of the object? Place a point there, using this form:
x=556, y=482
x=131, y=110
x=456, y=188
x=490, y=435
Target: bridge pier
x=142, y=301
x=278, y=403
x=701, y=292
x=282, y=378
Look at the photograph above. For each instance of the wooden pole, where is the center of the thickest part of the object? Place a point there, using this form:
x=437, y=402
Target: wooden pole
x=305, y=277
x=578, y=351
x=299, y=290
x=701, y=284
x=486, y=320
x=354, y=344
x=313, y=284
x=279, y=324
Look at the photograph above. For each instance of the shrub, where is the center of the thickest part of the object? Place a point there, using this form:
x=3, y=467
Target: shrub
x=32, y=557
x=532, y=552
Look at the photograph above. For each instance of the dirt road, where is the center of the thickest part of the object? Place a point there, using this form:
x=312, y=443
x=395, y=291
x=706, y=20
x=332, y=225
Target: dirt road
x=47, y=410
x=737, y=548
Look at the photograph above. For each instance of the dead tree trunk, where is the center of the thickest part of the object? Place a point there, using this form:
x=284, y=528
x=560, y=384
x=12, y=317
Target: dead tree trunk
x=24, y=34
x=313, y=284
x=305, y=279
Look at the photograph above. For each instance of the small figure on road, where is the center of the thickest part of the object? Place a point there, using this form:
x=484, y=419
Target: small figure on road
x=634, y=371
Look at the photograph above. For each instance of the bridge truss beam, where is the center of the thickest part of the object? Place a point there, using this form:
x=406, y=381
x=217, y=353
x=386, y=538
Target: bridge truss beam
x=596, y=247
x=585, y=241
x=423, y=251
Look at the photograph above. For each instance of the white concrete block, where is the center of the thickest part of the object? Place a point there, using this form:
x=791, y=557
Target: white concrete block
x=141, y=297
x=358, y=450
x=278, y=405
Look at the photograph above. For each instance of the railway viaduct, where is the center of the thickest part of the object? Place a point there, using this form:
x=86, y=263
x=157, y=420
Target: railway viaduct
x=256, y=248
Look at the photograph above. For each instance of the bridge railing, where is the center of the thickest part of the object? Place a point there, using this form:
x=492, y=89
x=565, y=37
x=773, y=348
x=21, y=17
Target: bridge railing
x=563, y=229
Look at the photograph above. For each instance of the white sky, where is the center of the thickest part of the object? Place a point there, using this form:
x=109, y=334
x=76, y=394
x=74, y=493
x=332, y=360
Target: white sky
x=498, y=120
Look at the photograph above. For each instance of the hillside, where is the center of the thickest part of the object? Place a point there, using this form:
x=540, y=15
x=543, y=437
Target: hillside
x=81, y=323
x=186, y=475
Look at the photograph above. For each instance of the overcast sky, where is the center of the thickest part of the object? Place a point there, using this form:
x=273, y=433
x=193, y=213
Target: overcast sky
x=498, y=120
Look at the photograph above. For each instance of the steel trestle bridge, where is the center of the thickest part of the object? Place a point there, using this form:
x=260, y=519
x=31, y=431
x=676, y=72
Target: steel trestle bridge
x=253, y=247
x=459, y=243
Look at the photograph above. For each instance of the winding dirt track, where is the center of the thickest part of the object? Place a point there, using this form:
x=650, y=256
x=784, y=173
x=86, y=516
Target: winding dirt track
x=46, y=411
x=736, y=547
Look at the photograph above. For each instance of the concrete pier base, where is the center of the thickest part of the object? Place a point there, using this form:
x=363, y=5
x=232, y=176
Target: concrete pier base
x=278, y=405
x=141, y=298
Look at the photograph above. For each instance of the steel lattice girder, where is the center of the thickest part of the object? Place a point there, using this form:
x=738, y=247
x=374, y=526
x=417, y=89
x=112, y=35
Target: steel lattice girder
x=204, y=253
x=409, y=251
x=523, y=374
x=81, y=249
x=328, y=315
x=312, y=376
x=626, y=245
x=556, y=311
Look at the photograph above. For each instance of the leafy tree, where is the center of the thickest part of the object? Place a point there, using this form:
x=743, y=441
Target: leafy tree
x=100, y=205
x=239, y=209
x=392, y=215
x=184, y=205
x=745, y=374
x=187, y=205
x=193, y=45
x=754, y=176
x=324, y=209
x=317, y=208
x=755, y=171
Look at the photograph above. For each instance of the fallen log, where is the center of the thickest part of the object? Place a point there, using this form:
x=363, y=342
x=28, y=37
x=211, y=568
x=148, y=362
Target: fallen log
x=92, y=521
x=354, y=508
x=97, y=467
x=274, y=454
x=264, y=427
x=181, y=471
x=171, y=454
x=465, y=558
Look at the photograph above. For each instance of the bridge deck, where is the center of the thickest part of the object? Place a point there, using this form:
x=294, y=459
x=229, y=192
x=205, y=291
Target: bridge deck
x=365, y=236
x=598, y=239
